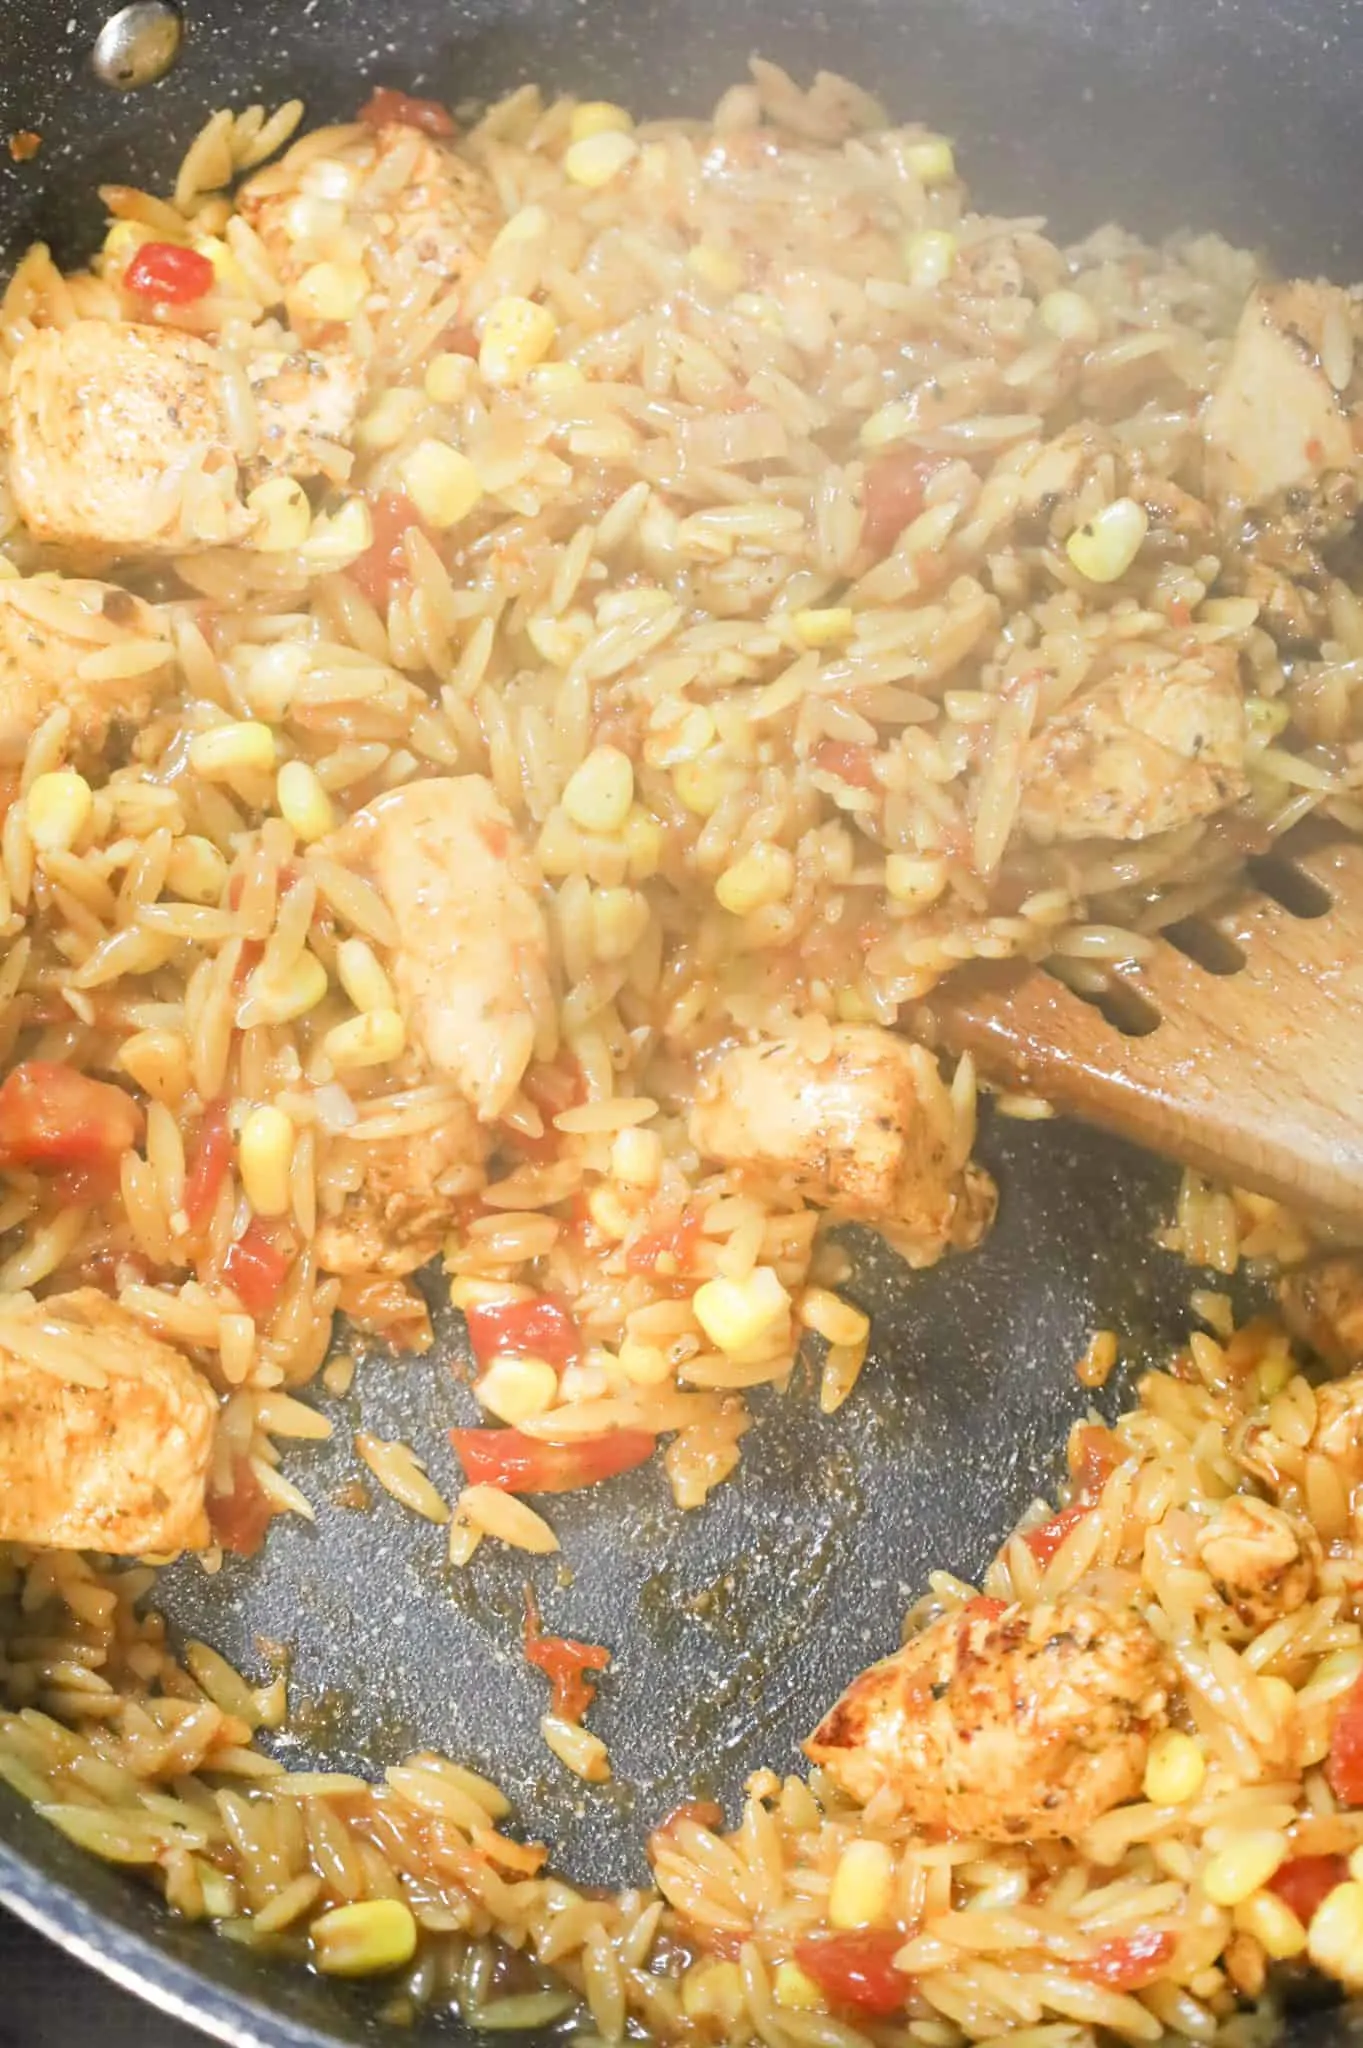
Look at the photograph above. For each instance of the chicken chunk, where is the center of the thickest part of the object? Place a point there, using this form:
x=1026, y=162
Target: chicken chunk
x=114, y=1457
x=1141, y=753
x=1275, y=422
x=850, y=1131
x=404, y=1196
x=57, y=637
x=471, y=966
x=1337, y=1436
x=119, y=440
x=306, y=405
x=1020, y=1725
x=1262, y=1562
x=1323, y=1305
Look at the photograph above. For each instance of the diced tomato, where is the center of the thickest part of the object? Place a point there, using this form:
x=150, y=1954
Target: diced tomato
x=459, y=339
x=61, y=1123
x=671, y=1250
x=384, y=562
x=1095, y=1454
x=169, y=272
x=564, y=1662
x=983, y=1609
x=520, y=1464
x=892, y=495
x=208, y=1169
x=1130, y=1961
x=857, y=1968
x=848, y=763
x=240, y=1518
x=384, y=1306
x=704, y=1812
x=1344, y=1766
x=555, y=1085
x=256, y=1268
x=1043, y=1542
x=385, y=105
x=537, y=1328
x=1304, y=1881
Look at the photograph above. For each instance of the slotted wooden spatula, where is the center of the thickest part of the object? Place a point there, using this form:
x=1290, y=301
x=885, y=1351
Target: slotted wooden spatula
x=1251, y=1073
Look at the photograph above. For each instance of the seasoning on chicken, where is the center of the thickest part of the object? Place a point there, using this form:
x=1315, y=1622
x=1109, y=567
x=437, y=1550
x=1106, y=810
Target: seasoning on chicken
x=403, y=1196
x=306, y=405
x=1015, y=1725
x=105, y=1432
x=99, y=651
x=1143, y=752
x=1275, y=421
x=1262, y=1562
x=1323, y=1305
x=849, y=1130
x=471, y=967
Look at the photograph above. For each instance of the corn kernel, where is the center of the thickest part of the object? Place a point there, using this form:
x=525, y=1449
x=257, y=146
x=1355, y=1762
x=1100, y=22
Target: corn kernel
x=361, y=976
x=330, y=291
x=932, y=161
x=824, y=626
x=619, y=920
x=245, y=746
x=795, y=1991
x=196, y=870
x=390, y=419
x=364, y=1939
x=265, y=1155
x=282, y=514
x=643, y=843
x=517, y=334
x=718, y=268
x=447, y=377
x=646, y=1365
x=860, y=1893
x=227, y=272
x=1174, y=1770
x=597, y=159
x=441, y=482
x=689, y=738
x=829, y=1316
x=339, y=538
x=303, y=803
x=608, y=1213
x=517, y=1389
x=123, y=241
x=764, y=874
x=1104, y=547
x=916, y=881
x=369, y=1040
x=714, y=1991
x=702, y=785
x=292, y=994
x=600, y=790
x=57, y=809
x=737, y=1315
x=1335, y=1938
x=1244, y=1864
x=929, y=256
x=599, y=117
x=1069, y=317
x=637, y=1158
x=1273, y=1925
x=270, y=677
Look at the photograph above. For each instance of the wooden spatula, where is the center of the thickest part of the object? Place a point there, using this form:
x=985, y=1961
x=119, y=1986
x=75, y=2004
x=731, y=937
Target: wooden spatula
x=1252, y=1073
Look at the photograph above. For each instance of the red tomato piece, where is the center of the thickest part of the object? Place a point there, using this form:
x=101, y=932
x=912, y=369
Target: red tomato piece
x=521, y=1464
x=208, y=1170
x=383, y=565
x=1304, y=1881
x=256, y=1268
x=892, y=494
x=459, y=339
x=1095, y=1455
x=1344, y=1766
x=169, y=272
x=981, y=1608
x=1130, y=1961
x=59, y=1122
x=1043, y=1542
x=673, y=1248
x=564, y=1662
x=848, y=763
x=857, y=1968
x=538, y=1328
x=385, y=105
x=240, y=1518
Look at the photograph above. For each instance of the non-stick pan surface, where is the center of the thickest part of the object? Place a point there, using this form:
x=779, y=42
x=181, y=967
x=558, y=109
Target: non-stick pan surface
x=733, y=1626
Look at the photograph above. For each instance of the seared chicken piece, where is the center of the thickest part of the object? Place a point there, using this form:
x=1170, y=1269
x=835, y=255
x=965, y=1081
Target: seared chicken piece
x=1323, y=1305
x=1141, y=753
x=1019, y=1725
x=1262, y=1562
x=471, y=967
x=1337, y=1436
x=306, y=405
x=406, y=1197
x=847, y=1131
x=56, y=634
x=118, y=1464
x=1275, y=421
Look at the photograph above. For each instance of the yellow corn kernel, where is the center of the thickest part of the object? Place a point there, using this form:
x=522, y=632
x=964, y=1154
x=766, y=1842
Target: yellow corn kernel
x=597, y=159
x=1274, y=1925
x=795, y=1991
x=619, y=920
x=369, y=1040
x=441, y=482
x=1243, y=1864
x=282, y=514
x=824, y=626
x=339, y=538
x=1174, y=1769
x=853, y=1008
x=1104, y=547
x=929, y=256
x=517, y=334
x=196, y=870
x=389, y=420
x=361, y=976
x=600, y=790
x=265, y=1155
x=764, y=874
x=702, y=785
x=687, y=740
x=270, y=677
x=608, y=1213
x=1069, y=317
x=718, y=268
x=158, y=1061
x=714, y=1991
x=303, y=802
x=292, y=994
x=517, y=1389
x=244, y=746
x=330, y=291
x=915, y=880
x=1335, y=1939
x=227, y=272
x=556, y=377
x=637, y=1158
x=860, y=1893
x=828, y=1315
x=599, y=117
x=646, y=1365
x=447, y=377
x=365, y=1939
x=737, y=1315
x=57, y=809
x=123, y=241
x=932, y=160
x=643, y=843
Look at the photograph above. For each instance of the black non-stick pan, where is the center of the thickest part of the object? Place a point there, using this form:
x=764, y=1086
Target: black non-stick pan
x=732, y=1627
